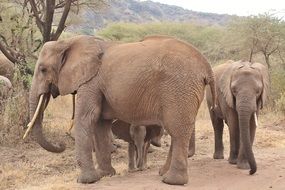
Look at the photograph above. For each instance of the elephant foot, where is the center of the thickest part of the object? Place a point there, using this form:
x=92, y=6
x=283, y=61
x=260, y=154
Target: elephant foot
x=144, y=167
x=244, y=165
x=232, y=160
x=218, y=155
x=191, y=153
x=109, y=172
x=132, y=170
x=88, y=177
x=175, y=177
x=163, y=170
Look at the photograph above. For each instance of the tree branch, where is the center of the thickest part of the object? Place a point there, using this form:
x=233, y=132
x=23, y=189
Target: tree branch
x=7, y=54
x=39, y=22
x=49, y=13
x=61, y=24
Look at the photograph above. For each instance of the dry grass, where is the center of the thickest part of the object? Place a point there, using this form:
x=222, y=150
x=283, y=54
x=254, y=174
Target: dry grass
x=27, y=166
x=14, y=115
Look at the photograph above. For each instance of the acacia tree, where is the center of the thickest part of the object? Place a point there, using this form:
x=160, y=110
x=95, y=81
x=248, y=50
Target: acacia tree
x=46, y=17
x=260, y=34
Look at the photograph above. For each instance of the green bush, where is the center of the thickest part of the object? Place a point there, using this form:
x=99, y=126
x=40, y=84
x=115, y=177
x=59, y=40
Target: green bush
x=280, y=103
x=205, y=38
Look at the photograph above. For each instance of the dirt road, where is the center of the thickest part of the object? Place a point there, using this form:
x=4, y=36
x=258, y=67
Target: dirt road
x=26, y=166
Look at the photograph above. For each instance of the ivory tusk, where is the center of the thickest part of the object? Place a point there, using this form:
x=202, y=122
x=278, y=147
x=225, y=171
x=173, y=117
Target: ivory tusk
x=255, y=119
x=31, y=124
x=71, y=126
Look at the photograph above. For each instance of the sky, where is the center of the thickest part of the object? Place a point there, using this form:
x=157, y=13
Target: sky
x=233, y=7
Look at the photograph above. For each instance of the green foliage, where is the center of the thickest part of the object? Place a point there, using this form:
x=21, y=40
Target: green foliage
x=277, y=86
x=249, y=37
x=205, y=38
x=18, y=30
x=280, y=102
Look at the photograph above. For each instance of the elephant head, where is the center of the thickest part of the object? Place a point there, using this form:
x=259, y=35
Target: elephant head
x=245, y=86
x=61, y=68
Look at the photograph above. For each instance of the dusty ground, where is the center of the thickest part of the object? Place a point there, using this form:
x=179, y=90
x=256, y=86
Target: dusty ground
x=27, y=166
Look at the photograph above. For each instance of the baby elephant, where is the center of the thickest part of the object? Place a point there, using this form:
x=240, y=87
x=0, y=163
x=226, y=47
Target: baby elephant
x=139, y=139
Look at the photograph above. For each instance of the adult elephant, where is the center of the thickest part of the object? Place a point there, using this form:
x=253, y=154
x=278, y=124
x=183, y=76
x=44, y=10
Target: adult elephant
x=159, y=80
x=242, y=89
x=6, y=67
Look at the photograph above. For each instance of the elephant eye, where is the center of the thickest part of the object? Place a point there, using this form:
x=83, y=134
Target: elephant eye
x=43, y=69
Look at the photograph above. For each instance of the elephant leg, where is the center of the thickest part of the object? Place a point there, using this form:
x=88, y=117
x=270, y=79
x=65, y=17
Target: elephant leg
x=166, y=166
x=132, y=151
x=191, y=150
x=234, y=140
x=146, y=147
x=83, y=149
x=218, y=125
x=177, y=173
x=103, y=147
x=85, y=117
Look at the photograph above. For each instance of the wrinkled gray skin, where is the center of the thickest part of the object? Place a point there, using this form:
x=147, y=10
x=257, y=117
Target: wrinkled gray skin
x=191, y=150
x=5, y=87
x=157, y=81
x=242, y=89
x=139, y=139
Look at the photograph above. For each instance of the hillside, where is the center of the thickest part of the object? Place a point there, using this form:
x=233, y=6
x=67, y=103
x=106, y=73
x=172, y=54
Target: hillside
x=142, y=12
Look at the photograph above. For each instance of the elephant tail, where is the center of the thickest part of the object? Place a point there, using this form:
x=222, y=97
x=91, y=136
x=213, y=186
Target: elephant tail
x=210, y=80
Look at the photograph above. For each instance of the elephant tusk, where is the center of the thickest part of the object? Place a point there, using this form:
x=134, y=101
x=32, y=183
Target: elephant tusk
x=70, y=126
x=31, y=124
x=255, y=119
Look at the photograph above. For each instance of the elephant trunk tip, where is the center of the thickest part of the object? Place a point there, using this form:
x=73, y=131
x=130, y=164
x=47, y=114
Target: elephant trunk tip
x=57, y=149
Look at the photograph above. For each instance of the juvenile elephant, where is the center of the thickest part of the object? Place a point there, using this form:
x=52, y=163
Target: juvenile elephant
x=157, y=81
x=139, y=139
x=242, y=89
x=5, y=87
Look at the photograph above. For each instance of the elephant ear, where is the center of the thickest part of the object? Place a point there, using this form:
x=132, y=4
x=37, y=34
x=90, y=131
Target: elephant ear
x=80, y=60
x=224, y=83
x=265, y=80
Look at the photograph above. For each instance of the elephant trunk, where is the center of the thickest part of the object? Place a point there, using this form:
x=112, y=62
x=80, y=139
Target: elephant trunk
x=245, y=112
x=37, y=128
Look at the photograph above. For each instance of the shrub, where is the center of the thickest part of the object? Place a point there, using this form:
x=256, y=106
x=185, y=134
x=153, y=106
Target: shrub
x=280, y=103
x=14, y=112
